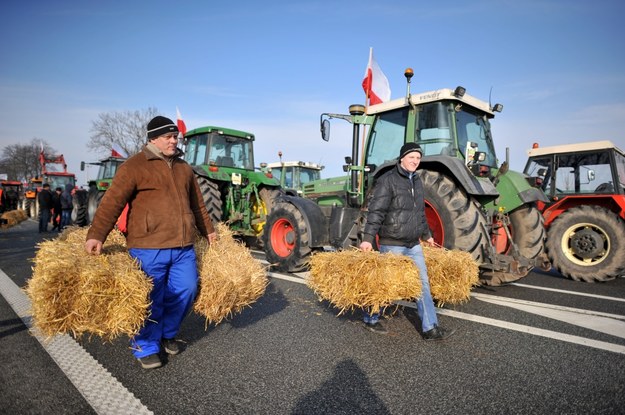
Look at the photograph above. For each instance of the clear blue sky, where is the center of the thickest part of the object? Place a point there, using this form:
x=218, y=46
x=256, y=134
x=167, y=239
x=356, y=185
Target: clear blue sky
x=273, y=67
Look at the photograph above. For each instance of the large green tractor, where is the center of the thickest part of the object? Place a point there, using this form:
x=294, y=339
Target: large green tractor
x=472, y=204
x=106, y=171
x=234, y=192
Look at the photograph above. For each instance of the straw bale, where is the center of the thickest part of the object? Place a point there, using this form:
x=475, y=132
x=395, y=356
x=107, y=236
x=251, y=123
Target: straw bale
x=230, y=277
x=12, y=218
x=353, y=279
x=74, y=292
x=452, y=274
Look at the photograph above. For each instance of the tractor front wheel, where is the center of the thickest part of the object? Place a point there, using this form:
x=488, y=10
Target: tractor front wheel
x=286, y=238
x=587, y=243
x=212, y=198
x=528, y=231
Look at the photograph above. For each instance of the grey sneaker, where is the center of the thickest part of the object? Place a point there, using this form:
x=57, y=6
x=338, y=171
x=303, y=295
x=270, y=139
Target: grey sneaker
x=376, y=327
x=438, y=333
x=150, y=362
x=171, y=346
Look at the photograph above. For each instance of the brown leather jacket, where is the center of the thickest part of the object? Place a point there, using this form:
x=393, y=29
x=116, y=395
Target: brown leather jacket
x=166, y=207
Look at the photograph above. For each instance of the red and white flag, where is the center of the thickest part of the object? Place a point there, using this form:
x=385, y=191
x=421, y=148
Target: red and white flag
x=119, y=152
x=181, y=125
x=375, y=83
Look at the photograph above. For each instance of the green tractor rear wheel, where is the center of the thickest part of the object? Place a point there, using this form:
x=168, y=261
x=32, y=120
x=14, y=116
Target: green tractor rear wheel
x=212, y=198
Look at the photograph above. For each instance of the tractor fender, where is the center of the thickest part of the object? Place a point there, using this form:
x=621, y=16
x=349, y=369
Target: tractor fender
x=316, y=221
x=454, y=168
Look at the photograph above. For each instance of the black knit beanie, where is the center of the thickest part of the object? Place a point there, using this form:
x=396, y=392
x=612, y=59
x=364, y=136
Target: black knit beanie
x=159, y=126
x=409, y=148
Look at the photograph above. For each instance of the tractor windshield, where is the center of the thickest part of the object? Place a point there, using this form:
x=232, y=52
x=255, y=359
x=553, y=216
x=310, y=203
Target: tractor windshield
x=219, y=150
x=474, y=134
x=575, y=173
x=435, y=132
x=108, y=168
x=60, y=181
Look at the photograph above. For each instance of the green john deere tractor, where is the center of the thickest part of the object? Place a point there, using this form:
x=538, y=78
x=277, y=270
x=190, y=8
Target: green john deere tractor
x=234, y=192
x=106, y=171
x=472, y=204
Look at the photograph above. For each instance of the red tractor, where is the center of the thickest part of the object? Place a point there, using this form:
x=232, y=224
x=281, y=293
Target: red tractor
x=585, y=217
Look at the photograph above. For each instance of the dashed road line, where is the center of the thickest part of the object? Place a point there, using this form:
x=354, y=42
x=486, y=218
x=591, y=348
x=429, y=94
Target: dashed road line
x=611, y=347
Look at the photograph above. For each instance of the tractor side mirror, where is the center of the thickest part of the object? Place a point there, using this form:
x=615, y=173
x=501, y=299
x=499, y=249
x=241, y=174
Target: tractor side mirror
x=325, y=130
x=591, y=175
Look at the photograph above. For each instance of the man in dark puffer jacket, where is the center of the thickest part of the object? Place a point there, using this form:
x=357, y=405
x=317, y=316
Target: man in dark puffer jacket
x=397, y=216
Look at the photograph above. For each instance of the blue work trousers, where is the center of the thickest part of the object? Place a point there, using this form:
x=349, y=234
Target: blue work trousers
x=425, y=304
x=174, y=274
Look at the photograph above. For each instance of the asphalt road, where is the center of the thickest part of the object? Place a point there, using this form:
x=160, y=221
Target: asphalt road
x=543, y=345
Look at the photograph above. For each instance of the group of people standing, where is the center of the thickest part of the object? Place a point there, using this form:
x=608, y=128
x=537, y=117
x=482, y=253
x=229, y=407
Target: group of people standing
x=55, y=207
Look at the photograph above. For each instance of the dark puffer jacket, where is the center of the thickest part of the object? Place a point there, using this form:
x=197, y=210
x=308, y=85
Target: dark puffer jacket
x=397, y=210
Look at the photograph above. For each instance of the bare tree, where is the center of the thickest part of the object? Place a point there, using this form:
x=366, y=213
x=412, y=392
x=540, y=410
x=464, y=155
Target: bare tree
x=21, y=161
x=127, y=129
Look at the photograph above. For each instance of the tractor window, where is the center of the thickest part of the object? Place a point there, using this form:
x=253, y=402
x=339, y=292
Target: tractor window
x=475, y=128
x=230, y=151
x=584, y=173
x=308, y=175
x=433, y=132
x=195, y=150
x=386, y=137
x=620, y=169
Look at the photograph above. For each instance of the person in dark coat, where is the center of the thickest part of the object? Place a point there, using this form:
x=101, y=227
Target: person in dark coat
x=44, y=199
x=396, y=214
x=56, y=209
x=66, y=206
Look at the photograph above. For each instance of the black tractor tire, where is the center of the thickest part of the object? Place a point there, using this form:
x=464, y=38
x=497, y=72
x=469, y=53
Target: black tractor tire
x=462, y=224
x=30, y=206
x=528, y=231
x=80, y=211
x=94, y=198
x=212, y=198
x=587, y=243
x=286, y=239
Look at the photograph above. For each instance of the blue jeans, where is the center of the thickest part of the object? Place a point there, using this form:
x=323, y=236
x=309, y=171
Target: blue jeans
x=66, y=218
x=174, y=275
x=425, y=304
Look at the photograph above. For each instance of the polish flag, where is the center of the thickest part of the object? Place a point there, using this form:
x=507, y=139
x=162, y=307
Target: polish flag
x=118, y=152
x=375, y=83
x=181, y=125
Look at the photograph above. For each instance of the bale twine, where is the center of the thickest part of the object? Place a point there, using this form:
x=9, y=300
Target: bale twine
x=452, y=274
x=12, y=218
x=369, y=280
x=230, y=278
x=74, y=292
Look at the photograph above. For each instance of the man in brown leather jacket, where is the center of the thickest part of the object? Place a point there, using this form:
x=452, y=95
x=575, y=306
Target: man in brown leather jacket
x=165, y=211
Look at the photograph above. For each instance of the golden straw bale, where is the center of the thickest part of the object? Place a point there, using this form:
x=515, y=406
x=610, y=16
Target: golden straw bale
x=13, y=217
x=370, y=280
x=452, y=274
x=74, y=292
x=230, y=277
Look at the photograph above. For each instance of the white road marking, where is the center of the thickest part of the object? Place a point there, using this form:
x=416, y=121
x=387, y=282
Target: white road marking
x=611, y=347
x=577, y=317
x=101, y=390
x=602, y=297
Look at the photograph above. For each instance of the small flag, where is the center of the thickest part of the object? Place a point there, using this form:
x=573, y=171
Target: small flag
x=118, y=152
x=375, y=83
x=181, y=125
